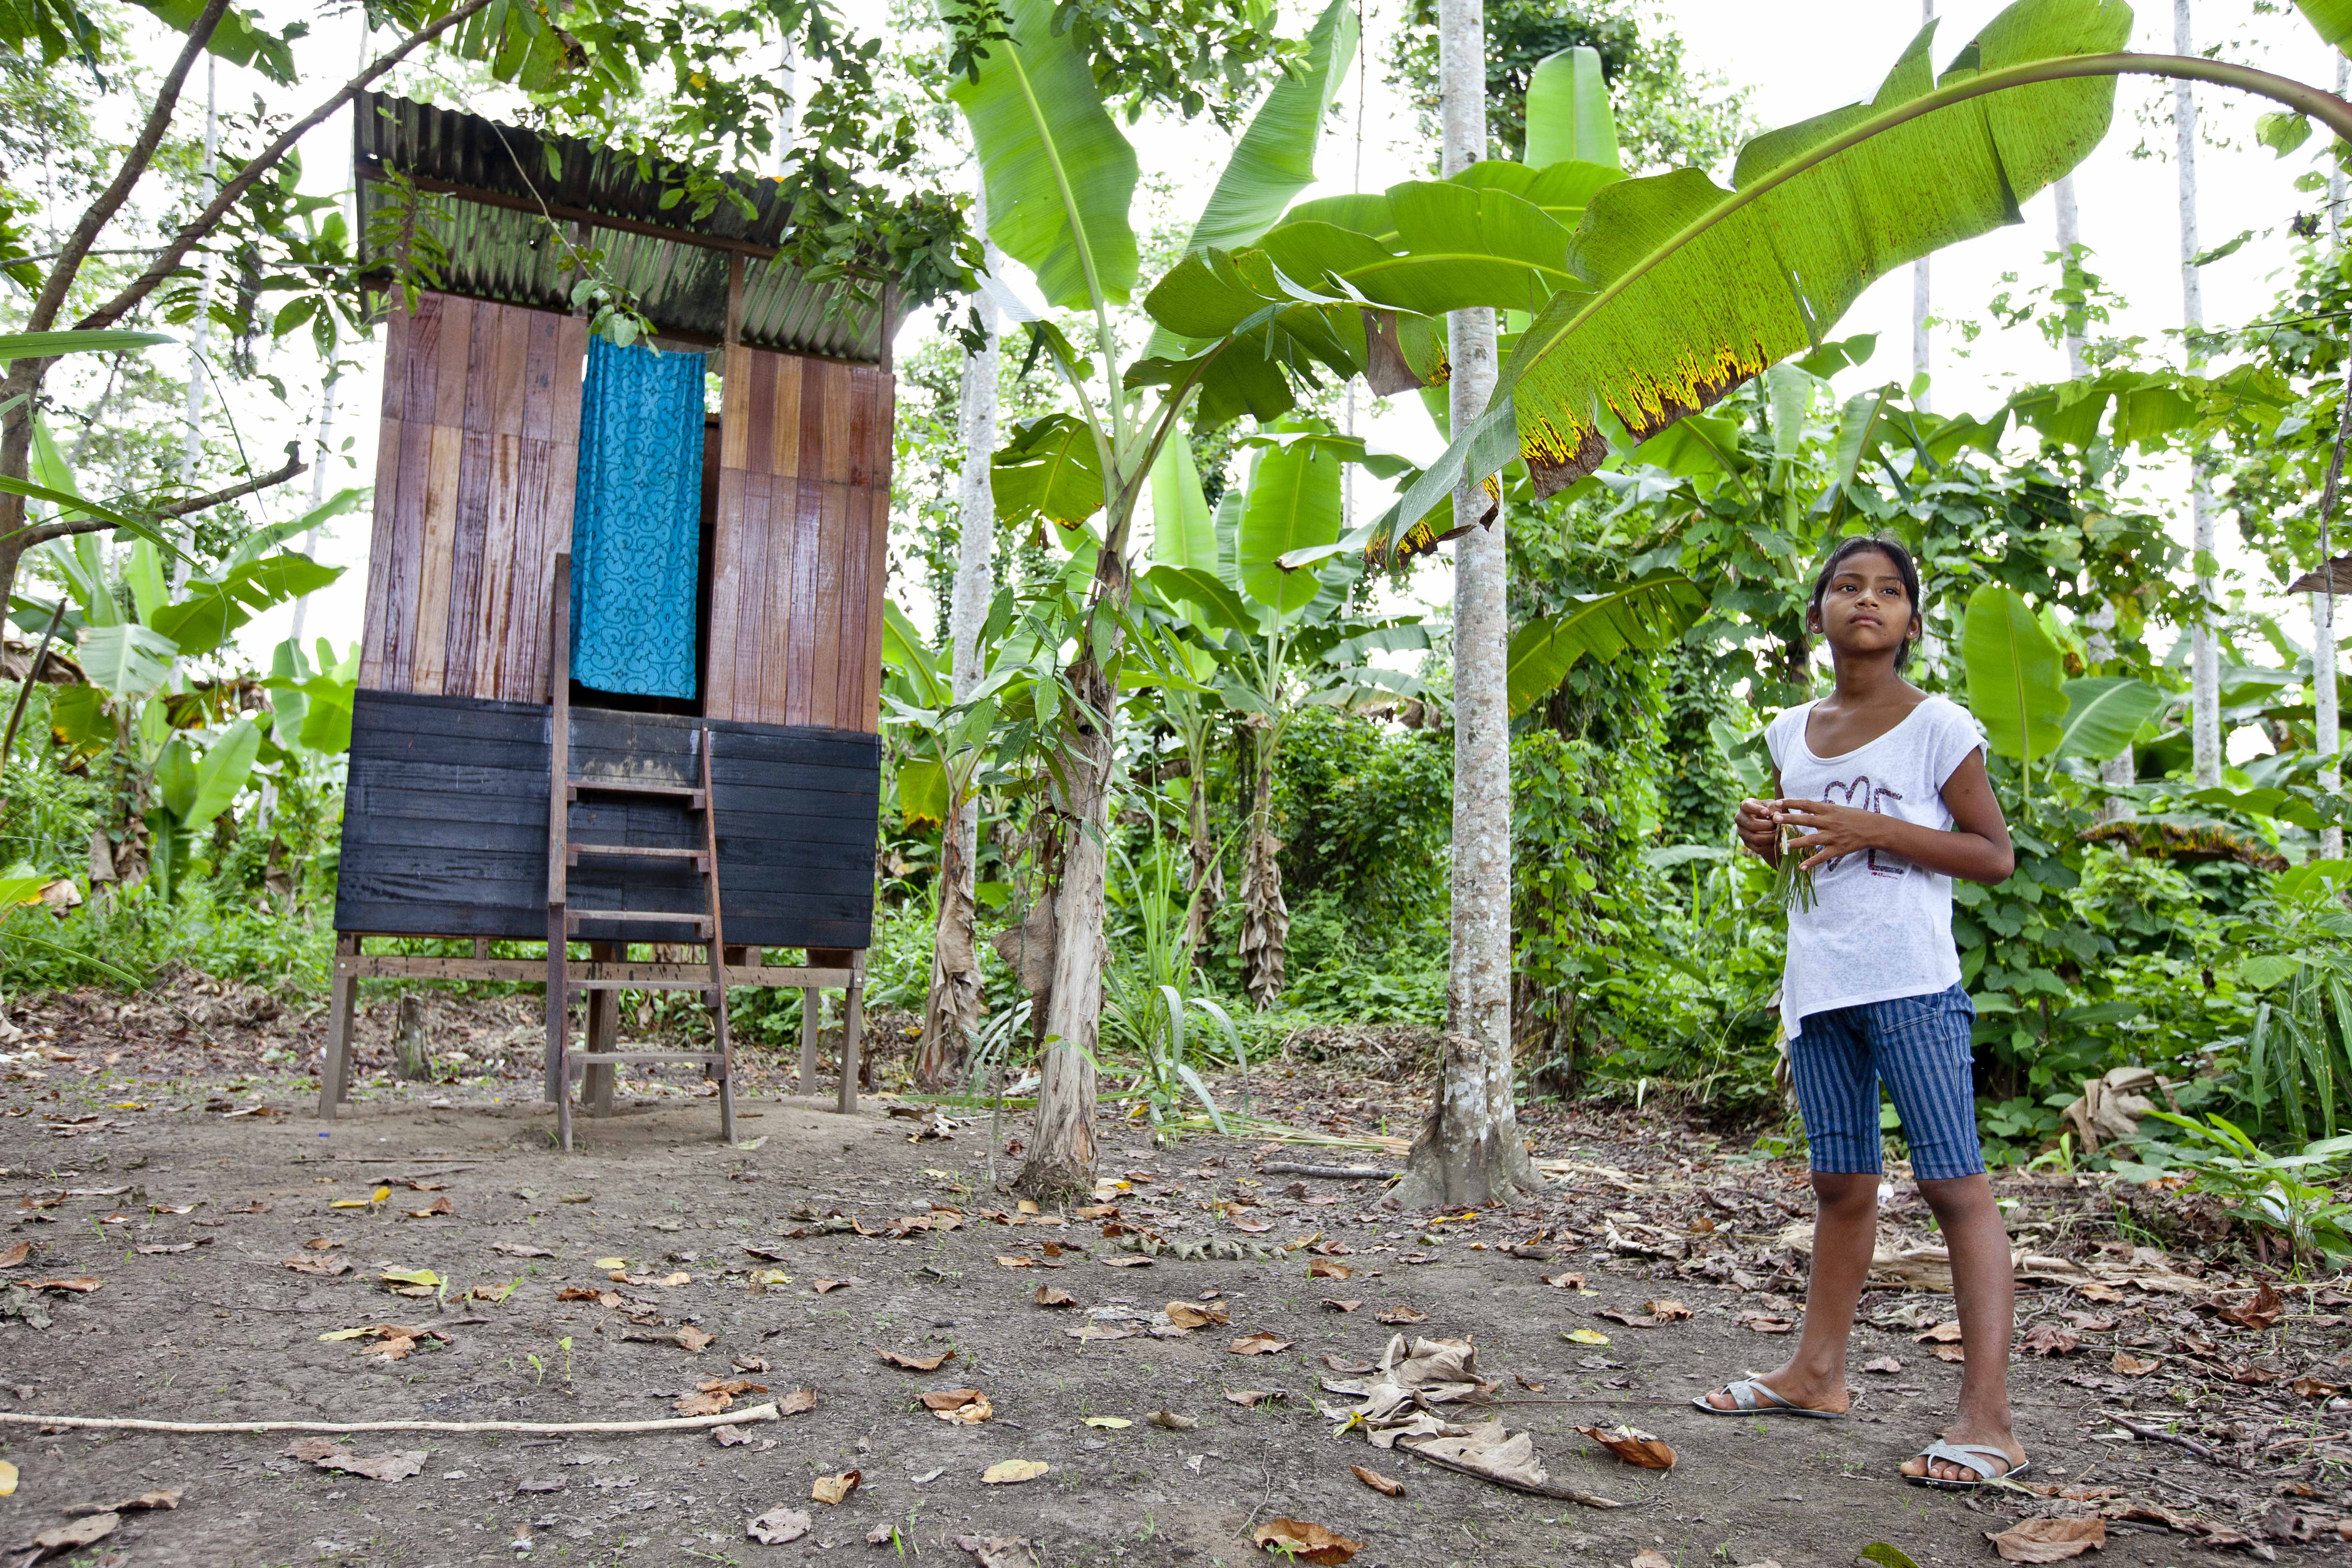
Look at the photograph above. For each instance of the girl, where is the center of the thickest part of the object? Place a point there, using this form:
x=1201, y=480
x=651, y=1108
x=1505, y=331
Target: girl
x=1888, y=786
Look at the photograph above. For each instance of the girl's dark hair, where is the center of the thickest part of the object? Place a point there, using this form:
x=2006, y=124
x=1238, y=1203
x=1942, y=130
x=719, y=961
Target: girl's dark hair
x=1894, y=550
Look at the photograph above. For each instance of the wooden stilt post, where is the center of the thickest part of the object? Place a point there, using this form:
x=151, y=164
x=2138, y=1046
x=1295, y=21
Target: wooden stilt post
x=853, y=1019
x=810, y=1010
x=604, y=1034
x=559, y=819
x=335, y=1065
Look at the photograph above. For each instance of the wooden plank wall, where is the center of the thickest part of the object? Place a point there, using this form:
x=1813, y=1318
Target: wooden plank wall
x=475, y=468
x=798, y=562
x=445, y=823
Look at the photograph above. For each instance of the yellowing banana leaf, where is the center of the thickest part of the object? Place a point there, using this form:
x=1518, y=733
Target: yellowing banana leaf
x=1058, y=172
x=1696, y=290
x=922, y=793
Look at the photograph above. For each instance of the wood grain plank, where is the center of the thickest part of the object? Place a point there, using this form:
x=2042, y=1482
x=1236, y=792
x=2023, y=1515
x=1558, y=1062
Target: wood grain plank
x=513, y=368
x=407, y=544
x=398, y=326
x=792, y=389
x=865, y=419
x=759, y=415
x=384, y=507
x=424, y=361
x=494, y=599
x=537, y=415
x=824, y=629
x=483, y=388
x=477, y=459
x=456, y=356
x=525, y=657
x=437, y=554
x=571, y=364
x=869, y=714
x=840, y=409
x=722, y=653
x=758, y=673
x=734, y=409
x=795, y=652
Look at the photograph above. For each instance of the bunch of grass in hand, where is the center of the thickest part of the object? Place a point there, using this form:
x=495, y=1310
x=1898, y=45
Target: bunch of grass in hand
x=1792, y=884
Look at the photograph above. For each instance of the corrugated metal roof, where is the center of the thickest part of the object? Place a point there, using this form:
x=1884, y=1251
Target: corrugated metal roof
x=506, y=252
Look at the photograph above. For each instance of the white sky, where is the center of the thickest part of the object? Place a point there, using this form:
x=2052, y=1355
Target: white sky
x=1800, y=58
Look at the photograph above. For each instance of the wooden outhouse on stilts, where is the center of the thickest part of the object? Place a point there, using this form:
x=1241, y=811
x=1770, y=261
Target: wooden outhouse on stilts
x=620, y=675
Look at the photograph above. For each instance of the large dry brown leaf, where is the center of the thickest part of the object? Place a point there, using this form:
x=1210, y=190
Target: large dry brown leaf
x=1401, y=1314
x=835, y=1488
x=1327, y=1269
x=709, y=1401
x=1633, y=1446
x=15, y=1257
x=1304, y=1543
x=1013, y=1472
x=968, y=1406
x=798, y=1401
x=79, y=1285
x=914, y=1363
x=1565, y=1281
x=1259, y=1343
x=1198, y=1314
x=2049, y=1338
x=2130, y=1366
x=80, y=1532
x=1050, y=1296
x=998, y=1550
x=317, y=1264
x=1387, y=1486
x=1249, y=1398
x=2049, y=1539
x=2266, y=1307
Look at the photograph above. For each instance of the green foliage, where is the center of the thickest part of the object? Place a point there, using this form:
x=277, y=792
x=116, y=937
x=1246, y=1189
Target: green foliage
x=2291, y=1194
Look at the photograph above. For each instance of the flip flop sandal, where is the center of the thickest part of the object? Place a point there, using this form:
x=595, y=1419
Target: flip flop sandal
x=1751, y=1396
x=1989, y=1463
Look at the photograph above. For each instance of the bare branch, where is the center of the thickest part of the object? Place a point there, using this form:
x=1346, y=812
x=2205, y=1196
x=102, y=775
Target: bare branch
x=205, y=222
x=101, y=212
x=64, y=529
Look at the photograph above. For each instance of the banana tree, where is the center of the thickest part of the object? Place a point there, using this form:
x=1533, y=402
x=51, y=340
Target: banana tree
x=1275, y=639
x=1060, y=178
x=1681, y=291
x=2018, y=691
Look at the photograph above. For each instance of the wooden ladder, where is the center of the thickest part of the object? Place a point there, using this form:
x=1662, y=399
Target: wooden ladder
x=564, y=922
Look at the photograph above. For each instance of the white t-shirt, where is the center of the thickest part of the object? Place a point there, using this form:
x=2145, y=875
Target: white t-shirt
x=1863, y=941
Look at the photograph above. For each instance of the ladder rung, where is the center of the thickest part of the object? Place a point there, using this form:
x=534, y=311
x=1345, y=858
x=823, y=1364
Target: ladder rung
x=632, y=852
x=622, y=1058
x=637, y=985
x=575, y=918
x=687, y=793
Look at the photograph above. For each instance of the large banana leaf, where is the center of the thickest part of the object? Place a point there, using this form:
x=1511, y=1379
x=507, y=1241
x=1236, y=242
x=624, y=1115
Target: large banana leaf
x=1648, y=614
x=236, y=37
x=1697, y=288
x=1059, y=175
x=213, y=782
x=128, y=660
x=1461, y=246
x=21, y=345
x=2103, y=713
x=2332, y=17
x=2013, y=671
x=1050, y=468
x=1182, y=533
x=209, y=609
x=1568, y=112
x=1293, y=504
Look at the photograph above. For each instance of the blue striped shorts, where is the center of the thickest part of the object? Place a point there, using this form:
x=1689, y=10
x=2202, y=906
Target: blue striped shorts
x=1921, y=1046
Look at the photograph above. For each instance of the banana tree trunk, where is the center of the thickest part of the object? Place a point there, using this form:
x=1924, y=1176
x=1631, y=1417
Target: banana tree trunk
x=1265, y=920
x=1061, y=1163
x=1469, y=1151
x=951, y=1012
x=1206, y=884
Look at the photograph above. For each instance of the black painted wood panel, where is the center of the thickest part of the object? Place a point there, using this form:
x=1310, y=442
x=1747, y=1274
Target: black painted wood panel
x=445, y=823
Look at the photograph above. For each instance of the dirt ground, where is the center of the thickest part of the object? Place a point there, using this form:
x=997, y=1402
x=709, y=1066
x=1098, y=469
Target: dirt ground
x=170, y=1155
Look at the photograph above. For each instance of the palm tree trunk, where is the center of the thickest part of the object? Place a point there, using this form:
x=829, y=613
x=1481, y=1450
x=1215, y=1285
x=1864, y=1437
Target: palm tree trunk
x=1265, y=918
x=951, y=1012
x=1469, y=1151
x=2204, y=653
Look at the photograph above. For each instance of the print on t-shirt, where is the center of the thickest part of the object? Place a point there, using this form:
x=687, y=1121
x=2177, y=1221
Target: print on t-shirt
x=1861, y=794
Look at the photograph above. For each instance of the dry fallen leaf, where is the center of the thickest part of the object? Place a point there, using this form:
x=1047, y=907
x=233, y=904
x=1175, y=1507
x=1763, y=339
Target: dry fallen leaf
x=728, y=1436
x=1198, y=1314
x=1341, y=1364
x=2049, y=1338
x=916, y=1362
x=778, y=1525
x=834, y=1489
x=2130, y=1366
x=1326, y=1269
x=1575, y=1336
x=1303, y=1542
x=1110, y=1422
x=1402, y=1314
x=1338, y=1305
x=516, y=1249
x=1941, y=1335
x=694, y=1340
x=329, y=1266
x=1645, y=1557
x=1249, y=1398
x=1885, y=1363
x=2264, y=1310
x=1052, y=1296
x=15, y=1257
x=1126, y=1260
x=709, y=1401
x=1633, y=1446
x=1013, y=1472
x=969, y=1407
x=998, y=1550
x=7, y=1478
x=2049, y=1539
x=1004, y=1262
x=826, y=1287
x=1259, y=1343
x=434, y=1210
x=797, y=1402
x=1170, y=1421
x=80, y=1532
x=79, y=1285
x=1387, y=1486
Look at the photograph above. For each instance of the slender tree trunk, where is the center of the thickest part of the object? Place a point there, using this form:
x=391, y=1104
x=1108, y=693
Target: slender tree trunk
x=2204, y=653
x=1469, y=1151
x=1265, y=918
x=2328, y=736
x=952, y=1013
x=318, y=492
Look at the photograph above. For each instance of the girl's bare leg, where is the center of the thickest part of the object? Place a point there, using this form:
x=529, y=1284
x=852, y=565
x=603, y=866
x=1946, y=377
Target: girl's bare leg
x=1987, y=1290
x=1845, y=1233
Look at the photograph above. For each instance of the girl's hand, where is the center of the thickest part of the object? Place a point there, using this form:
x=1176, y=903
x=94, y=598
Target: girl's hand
x=1756, y=828
x=1830, y=832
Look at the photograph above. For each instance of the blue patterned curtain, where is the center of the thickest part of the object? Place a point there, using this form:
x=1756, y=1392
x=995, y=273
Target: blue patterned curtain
x=635, y=545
